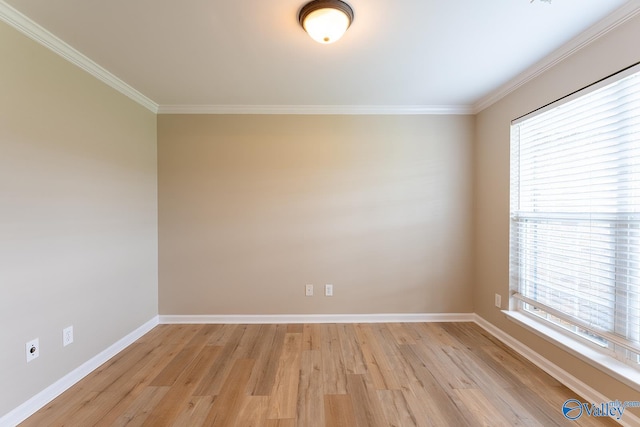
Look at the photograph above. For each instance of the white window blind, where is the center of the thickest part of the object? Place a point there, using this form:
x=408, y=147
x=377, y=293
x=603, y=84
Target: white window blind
x=575, y=214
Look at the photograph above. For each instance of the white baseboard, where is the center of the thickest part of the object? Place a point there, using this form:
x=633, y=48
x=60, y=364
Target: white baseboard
x=41, y=399
x=319, y=318
x=582, y=389
x=28, y=408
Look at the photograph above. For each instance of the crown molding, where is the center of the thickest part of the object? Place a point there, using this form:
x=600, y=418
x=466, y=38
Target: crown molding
x=37, y=33
x=317, y=109
x=614, y=20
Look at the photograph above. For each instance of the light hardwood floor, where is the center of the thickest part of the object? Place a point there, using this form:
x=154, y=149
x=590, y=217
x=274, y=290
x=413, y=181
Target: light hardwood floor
x=351, y=375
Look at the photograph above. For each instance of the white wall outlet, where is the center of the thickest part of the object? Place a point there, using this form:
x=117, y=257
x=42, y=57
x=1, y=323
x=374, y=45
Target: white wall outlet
x=33, y=349
x=67, y=336
x=308, y=290
x=498, y=301
x=328, y=290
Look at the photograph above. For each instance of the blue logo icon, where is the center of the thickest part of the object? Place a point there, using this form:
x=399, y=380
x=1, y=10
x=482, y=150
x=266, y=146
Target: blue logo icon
x=572, y=409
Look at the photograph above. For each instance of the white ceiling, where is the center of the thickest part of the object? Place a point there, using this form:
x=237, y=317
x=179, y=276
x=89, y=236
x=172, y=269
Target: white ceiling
x=448, y=54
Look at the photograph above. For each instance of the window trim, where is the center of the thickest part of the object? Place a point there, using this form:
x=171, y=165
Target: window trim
x=603, y=358
x=617, y=369
x=577, y=322
x=621, y=74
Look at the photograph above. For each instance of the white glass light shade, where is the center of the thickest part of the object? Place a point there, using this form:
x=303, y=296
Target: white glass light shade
x=326, y=25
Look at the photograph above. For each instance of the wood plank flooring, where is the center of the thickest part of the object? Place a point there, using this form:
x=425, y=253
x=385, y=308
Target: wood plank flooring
x=314, y=375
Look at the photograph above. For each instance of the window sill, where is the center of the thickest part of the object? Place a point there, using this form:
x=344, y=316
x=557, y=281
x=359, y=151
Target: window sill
x=616, y=369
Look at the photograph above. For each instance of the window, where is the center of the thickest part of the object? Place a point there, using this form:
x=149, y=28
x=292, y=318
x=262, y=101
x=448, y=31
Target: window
x=575, y=214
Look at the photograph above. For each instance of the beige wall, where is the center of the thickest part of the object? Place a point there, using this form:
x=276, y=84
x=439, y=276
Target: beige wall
x=608, y=54
x=252, y=208
x=78, y=216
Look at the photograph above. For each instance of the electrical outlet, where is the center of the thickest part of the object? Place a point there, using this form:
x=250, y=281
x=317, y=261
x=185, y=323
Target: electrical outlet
x=67, y=336
x=498, y=301
x=328, y=290
x=308, y=290
x=33, y=349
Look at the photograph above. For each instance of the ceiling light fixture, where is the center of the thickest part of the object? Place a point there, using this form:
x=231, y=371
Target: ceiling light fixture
x=326, y=20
